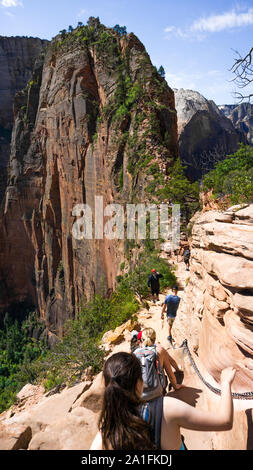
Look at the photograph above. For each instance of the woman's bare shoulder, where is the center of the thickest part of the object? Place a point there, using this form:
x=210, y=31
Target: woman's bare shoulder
x=173, y=407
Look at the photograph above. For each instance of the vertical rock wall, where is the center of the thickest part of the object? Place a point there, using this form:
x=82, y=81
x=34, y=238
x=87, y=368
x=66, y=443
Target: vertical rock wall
x=17, y=58
x=67, y=148
x=218, y=311
x=220, y=292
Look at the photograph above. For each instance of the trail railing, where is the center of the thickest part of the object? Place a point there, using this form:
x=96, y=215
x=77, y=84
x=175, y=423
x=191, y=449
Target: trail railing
x=239, y=396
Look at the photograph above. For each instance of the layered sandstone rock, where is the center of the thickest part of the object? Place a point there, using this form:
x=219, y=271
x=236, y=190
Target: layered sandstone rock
x=17, y=58
x=205, y=133
x=74, y=140
x=219, y=295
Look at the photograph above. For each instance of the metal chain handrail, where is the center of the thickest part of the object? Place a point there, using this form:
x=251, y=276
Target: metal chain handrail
x=239, y=396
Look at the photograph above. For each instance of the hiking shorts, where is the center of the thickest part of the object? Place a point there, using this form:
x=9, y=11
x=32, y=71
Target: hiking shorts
x=170, y=320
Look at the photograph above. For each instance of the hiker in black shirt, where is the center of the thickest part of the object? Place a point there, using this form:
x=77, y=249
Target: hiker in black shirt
x=186, y=256
x=153, y=282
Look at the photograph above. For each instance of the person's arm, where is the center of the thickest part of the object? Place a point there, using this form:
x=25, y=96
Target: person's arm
x=188, y=417
x=173, y=362
x=163, y=310
x=97, y=443
x=149, y=280
x=165, y=363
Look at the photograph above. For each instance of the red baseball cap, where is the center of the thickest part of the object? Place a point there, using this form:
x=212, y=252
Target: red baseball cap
x=139, y=335
x=153, y=271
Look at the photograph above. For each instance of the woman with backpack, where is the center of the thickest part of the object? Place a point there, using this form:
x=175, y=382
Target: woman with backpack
x=126, y=424
x=162, y=361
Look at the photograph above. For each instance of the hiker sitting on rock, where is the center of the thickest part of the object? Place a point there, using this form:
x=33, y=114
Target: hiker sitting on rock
x=155, y=359
x=171, y=303
x=153, y=282
x=126, y=424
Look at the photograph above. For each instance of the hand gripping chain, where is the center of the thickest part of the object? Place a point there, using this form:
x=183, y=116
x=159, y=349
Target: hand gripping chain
x=239, y=396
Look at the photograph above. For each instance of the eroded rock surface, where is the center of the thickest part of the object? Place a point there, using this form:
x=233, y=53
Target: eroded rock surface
x=17, y=58
x=241, y=116
x=205, y=133
x=219, y=294
x=69, y=145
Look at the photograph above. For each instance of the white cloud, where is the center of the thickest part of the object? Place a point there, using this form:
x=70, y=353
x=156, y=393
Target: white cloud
x=11, y=3
x=82, y=13
x=176, y=31
x=212, y=24
x=227, y=20
x=170, y=29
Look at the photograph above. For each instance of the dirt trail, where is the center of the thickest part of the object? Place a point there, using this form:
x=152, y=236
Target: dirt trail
x=195, y=392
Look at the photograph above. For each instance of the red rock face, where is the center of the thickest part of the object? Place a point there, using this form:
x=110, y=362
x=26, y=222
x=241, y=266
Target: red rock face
x=65, y=151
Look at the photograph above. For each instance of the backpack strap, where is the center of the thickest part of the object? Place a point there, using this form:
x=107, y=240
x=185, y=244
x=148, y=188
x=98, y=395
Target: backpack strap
x=152, y=413
x=156, y=409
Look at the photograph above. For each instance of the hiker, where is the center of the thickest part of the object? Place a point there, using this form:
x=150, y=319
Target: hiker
x=153, y=282
x=126, y=424
x=155, y=359
x=172, y=303
x=186, y=256
x=135, y=340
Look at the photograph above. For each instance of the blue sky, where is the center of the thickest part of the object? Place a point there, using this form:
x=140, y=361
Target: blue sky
x=192, y=39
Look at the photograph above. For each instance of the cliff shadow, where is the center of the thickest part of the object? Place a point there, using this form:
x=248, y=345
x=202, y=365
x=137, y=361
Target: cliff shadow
x=189, y=395
x=249, y=414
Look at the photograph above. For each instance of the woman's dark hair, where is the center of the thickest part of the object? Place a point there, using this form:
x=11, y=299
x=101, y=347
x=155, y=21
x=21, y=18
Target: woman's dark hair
x=120, y=423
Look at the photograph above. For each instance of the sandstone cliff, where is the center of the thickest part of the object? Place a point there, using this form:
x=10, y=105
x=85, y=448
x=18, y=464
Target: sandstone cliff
x=242, y=118
x=219, y=294
x=92, y=120
x=17, y=58
x=205, y=133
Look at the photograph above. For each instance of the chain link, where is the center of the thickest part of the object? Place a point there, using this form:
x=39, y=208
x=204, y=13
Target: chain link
x=239, y=396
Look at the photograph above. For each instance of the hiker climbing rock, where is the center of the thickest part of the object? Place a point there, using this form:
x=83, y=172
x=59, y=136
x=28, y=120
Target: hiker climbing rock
x=154, y=284
x=154, y=360
x=172, y=303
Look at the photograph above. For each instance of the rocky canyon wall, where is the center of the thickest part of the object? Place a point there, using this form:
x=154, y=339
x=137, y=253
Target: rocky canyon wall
x=241, y=116
x=220, y=292
x=217, y=316
x=17, y=58
x=89, y=124
x=206, y=135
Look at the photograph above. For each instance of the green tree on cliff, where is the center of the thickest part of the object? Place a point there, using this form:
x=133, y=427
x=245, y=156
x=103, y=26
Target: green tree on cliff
x=121, y=30
x=161, y=71
x=63, y=33
x=233, y=176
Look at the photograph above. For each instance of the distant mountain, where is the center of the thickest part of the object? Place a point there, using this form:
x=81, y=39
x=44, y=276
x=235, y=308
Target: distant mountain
x=241, y=116
x=205, y=133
